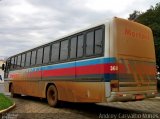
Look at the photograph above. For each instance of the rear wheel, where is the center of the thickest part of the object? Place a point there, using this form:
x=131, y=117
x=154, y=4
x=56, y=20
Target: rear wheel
x=12, y=91
x=52, y=96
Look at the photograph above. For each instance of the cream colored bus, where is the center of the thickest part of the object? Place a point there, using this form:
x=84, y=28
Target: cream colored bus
x=109, y=61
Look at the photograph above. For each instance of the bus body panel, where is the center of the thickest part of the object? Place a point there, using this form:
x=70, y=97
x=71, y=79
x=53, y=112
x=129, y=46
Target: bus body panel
x=80, y=91
x=26, y=81
x=132, y=46
x=86, y=76
x=68, y=91
x=107, y=40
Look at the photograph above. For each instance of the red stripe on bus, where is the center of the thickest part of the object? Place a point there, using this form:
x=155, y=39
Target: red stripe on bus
x=59, y=72
x=83, y=70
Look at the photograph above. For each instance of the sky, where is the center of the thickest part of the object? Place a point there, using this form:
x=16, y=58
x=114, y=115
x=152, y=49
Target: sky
x=25, y=24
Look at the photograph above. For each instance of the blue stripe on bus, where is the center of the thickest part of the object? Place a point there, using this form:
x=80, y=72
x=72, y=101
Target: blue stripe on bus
x=59, y=66
x=77, y=64
x=95, y=61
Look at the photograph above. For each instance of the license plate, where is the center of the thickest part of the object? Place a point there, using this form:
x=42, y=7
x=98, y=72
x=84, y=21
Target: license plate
x=138, y=97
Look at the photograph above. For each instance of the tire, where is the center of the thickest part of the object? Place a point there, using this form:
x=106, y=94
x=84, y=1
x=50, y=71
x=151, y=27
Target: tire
x=52, y=96
x=12, y=91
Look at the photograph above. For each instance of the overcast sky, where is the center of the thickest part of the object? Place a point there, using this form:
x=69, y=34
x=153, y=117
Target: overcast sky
x=25, y=24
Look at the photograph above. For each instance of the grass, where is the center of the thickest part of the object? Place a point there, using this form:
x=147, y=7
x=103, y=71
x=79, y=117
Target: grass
x=5, y=102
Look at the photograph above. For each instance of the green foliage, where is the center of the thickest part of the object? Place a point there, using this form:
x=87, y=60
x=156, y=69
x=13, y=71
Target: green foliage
x=5, y=102
x=134, y=15
x=150, y=18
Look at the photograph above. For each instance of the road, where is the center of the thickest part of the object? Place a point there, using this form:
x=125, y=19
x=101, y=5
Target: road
x=30, y=107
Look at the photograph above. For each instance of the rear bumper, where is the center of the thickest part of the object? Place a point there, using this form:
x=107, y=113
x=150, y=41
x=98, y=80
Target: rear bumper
x=130, y=96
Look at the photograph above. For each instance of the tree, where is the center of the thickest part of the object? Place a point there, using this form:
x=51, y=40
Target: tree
x=150, y=18
x=134, y=15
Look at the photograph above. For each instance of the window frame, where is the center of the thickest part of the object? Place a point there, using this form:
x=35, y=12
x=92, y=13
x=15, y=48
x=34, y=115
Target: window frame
x=15, y=62
x=34, y=50
x=103, y=42
x=88, y=31
x=103, y=39
x=18, y=67
x=74, y=36
x=65, y=39
x=50, y=46
x=57, y=61
x=26, y=59
x=79, y=34
x=37, y=55
x=69, y=49
x=12, y=65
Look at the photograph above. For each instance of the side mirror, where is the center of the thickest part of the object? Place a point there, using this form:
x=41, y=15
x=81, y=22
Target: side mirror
x=3, y=66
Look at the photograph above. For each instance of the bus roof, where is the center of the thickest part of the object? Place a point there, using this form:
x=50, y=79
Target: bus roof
x=106, y=21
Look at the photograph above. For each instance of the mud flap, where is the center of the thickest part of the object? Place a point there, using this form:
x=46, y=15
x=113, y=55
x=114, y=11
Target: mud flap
x=107, y=89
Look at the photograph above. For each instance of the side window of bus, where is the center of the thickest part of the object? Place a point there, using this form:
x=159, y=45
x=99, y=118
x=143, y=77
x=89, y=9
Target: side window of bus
x=64, y=50
x=19, y=61
x=80, y=46
x=73, y=49
x=89, y=43
x=23, y=60
x=33, y=57
x=12, y=62
x=8, y=64
x=28, y=58
x=55, y=52
x=46, y=56
x=98, y=41
x=39, y=56
x=15, y=62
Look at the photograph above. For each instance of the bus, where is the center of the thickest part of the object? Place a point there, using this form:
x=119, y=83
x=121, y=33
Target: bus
x=106, y=62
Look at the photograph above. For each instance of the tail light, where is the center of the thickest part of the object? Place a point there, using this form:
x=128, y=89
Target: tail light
x=114, y=85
